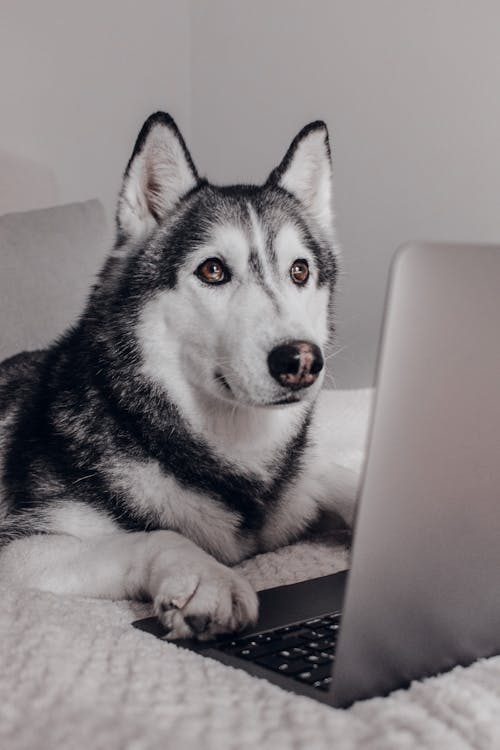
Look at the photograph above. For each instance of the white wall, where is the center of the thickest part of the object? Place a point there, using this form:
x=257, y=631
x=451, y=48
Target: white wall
x=76, y=81
x=411, y=92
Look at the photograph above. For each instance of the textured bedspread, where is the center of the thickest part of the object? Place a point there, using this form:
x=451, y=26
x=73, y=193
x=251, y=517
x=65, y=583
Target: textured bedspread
x=74, y=674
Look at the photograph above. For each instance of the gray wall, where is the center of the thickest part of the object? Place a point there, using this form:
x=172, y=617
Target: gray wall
x=77, y=79
x=409, y=88
x=411, y=92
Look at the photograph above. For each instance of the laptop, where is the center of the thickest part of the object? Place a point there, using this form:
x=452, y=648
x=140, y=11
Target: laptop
x=423, y=591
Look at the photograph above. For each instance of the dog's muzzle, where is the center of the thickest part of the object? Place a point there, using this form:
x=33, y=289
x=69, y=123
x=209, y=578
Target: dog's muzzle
x=296, y=364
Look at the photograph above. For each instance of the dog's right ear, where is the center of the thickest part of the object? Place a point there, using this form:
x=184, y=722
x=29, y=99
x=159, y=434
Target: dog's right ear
x=159, y=173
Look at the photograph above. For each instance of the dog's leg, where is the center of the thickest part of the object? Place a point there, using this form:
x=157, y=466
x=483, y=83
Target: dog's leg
x=339, y=432
x=193, y=594
x=339, y=492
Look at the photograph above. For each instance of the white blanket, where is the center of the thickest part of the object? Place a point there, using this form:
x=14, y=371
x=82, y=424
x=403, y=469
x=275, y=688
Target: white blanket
x=74, y=674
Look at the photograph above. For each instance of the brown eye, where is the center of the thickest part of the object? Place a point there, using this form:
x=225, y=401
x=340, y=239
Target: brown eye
x=213, y=271
x=299, y=271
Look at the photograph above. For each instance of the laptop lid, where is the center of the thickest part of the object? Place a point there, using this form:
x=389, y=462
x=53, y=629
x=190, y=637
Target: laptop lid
x=424, y=589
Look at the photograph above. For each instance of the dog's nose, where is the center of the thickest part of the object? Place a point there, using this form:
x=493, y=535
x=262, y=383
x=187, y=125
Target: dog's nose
x=296, y=364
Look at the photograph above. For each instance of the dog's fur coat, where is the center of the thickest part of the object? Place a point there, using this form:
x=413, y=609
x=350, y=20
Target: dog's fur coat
x=150, y=447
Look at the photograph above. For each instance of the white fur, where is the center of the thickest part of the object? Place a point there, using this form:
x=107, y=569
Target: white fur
x=258, y=238
x=331, y=473
x=212, y=526
x=178, y=576
x=309, y=177
x=79, y=520
x=161, y=162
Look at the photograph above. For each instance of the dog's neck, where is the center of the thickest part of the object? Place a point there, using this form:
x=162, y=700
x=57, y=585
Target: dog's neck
x=167, y=409
x=246, y=435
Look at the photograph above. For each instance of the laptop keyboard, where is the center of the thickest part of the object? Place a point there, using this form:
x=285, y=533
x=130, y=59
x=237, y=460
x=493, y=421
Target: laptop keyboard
x=304, y=651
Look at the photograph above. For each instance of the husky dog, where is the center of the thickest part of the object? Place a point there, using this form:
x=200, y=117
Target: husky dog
x=170, y=433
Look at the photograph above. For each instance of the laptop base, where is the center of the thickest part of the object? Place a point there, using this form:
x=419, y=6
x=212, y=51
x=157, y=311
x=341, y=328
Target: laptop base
x=279, y=608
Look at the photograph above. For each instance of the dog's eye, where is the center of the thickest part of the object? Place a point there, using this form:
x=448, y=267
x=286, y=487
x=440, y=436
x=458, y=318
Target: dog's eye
x=213, y=271
x=299, y=271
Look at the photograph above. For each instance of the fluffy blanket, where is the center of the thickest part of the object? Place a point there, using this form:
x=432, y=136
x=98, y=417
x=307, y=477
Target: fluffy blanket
x=74, y=674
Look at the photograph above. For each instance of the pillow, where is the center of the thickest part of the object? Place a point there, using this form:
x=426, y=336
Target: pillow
x=48, y=261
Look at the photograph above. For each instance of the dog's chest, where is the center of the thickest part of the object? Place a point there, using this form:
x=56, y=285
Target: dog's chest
x=163, y=502
x=219, y=526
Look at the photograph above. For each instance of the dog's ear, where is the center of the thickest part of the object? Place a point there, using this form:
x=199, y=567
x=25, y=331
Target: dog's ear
x=159, y=173
x=306, y=172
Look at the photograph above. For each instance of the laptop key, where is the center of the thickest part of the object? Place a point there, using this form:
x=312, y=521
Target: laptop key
x=290, y=643
x=333, y=627
x=314, y=675
x=320, y=645
x=314, y=645
x=306, y=676
x=278, y=664
x=327, y=654
x=302, y=633
x=290, y=655
x=253, y=640
x=288, y=629
x=322, y=684
x=334, y=617
x=254, y=652
x=319, y=633
x=317, y=659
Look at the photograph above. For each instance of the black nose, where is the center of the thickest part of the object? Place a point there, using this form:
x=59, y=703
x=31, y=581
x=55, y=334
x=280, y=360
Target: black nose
x=295, y=365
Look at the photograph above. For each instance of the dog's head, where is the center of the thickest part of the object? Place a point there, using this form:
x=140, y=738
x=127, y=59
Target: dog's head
x=235, y=282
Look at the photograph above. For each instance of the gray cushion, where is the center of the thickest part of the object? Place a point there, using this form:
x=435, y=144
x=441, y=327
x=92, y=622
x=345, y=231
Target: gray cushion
x=48, y=260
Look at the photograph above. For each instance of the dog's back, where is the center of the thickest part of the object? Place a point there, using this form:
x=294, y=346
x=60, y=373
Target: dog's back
x=18, y=375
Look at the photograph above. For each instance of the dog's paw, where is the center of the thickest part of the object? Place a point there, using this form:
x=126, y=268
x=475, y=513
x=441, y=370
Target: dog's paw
x=203, y=601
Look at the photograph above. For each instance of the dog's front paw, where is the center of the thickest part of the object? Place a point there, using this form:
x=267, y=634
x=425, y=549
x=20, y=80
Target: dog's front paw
x=204, y=600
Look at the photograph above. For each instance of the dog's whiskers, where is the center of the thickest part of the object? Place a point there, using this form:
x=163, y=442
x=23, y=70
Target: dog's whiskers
x=329, y=377
x=87, y=476
x=335, y=352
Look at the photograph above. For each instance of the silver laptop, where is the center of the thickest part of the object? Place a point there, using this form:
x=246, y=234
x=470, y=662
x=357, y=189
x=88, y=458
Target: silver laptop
x=423, y=591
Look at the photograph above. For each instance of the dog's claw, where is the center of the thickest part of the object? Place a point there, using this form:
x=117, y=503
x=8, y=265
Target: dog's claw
x=222, y=601
x=197, y=623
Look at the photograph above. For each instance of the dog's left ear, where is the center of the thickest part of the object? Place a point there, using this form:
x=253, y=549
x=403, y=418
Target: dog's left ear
x=159, y=173
x=306, y=172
